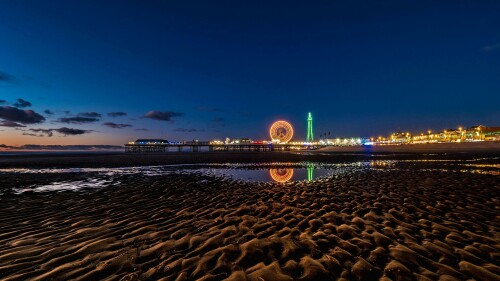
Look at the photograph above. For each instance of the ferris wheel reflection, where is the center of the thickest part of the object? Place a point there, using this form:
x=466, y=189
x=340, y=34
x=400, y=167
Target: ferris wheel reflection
x=281, y=175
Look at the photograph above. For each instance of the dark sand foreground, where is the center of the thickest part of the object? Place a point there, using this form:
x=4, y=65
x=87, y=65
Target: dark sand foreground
x=401, y=224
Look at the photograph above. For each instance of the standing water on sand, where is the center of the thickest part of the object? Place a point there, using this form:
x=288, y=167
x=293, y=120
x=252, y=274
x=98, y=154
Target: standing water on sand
x=258, y=172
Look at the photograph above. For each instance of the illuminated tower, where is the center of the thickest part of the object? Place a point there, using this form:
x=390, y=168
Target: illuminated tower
x=310, y=136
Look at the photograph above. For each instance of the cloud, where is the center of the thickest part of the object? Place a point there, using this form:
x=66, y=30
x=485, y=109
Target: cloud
x=218, y=121
x=80, y=118
x=5, y=77
x=77, y=120
x=490, y=48
x=208, y=109
x=48, y=112
x=89, y=114
x=116, y=114
x=186, y=130
x=116, y=126
x=50, y=132
x=13, y=114
x=69, y=131
x=142, y=129
x=42, y=132
x=5, y=146
x=22, y=103
x=31, y=134
x=2, y=101
x=162, y=115
x=64, y=147
x=10, y=124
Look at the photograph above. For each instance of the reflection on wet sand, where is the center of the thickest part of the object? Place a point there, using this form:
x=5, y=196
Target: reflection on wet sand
x=281, y=174
x=77, y=179
x=310, y=172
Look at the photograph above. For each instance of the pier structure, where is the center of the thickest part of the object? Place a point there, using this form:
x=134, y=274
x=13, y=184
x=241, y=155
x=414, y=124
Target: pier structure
x=151, y=147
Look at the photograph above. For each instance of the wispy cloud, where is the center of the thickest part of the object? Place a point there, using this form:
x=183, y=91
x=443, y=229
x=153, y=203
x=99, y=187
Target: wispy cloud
x=162, y=115
x=50, y=132
x=5, y=77
x=61, y=147
x=80, y=118
x=490, y=48
x=77, y=120
x=69, y=131
x=89, y=114
x=41, y=132
x=10, y=124
x=187, y=130
x=22, y=103
x=218, y=121
x=116, y=126
x=116, y=114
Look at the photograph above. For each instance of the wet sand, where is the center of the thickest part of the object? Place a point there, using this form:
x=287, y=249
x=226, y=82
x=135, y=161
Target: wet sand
x=403, y=224
x=452, y=151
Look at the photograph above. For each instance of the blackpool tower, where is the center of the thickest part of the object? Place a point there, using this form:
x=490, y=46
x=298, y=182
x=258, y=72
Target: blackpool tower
x=310, y=136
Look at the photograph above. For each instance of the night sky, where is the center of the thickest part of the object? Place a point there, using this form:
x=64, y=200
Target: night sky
x=77, y=72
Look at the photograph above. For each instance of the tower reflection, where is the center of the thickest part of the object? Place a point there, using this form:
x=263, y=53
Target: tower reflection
x=310, y=172
x=281, y=174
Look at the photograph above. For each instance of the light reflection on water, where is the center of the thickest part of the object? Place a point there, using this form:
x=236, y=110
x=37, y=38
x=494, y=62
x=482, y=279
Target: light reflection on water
x=289, y=172
x=283, y=174
x=91, y=183
x=278, y=172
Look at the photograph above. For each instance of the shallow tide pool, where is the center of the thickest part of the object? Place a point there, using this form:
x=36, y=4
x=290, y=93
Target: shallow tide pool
x=96, y=178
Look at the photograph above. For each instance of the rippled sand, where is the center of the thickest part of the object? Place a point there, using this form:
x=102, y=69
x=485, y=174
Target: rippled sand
x=401, y=224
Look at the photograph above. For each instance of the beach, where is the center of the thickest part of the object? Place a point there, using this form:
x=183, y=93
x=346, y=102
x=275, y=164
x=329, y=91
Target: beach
x=393, y=217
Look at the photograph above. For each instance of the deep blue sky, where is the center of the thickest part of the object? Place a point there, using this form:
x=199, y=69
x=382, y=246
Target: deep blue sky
x=231, y=68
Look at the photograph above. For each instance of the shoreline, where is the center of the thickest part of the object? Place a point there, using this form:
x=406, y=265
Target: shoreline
x=462, y=151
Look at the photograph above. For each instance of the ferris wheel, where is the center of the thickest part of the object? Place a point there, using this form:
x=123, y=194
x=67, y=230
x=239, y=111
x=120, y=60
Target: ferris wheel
x=281, y=131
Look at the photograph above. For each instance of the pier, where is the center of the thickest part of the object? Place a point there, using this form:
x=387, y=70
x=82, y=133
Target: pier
x=149, y=147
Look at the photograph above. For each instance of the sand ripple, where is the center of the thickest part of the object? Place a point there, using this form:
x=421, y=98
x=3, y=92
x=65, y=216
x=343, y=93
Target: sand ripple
x=372, y=225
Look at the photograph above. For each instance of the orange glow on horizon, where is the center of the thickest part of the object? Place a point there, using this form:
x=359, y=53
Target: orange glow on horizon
x=16, y=139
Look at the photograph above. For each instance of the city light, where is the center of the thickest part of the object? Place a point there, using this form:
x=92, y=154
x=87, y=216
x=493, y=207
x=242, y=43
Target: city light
x=281, y=133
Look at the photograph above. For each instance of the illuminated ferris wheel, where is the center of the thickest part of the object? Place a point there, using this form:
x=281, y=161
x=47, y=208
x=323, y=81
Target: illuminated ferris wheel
x=281, y=131
x=281, y=174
